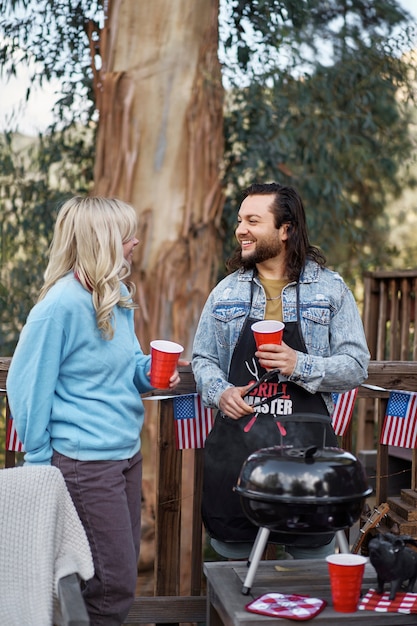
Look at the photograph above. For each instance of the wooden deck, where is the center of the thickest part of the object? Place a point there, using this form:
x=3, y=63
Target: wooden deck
x=167, y=606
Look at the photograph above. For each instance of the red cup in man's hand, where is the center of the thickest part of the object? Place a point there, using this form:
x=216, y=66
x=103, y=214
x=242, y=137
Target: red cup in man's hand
x=268, y=331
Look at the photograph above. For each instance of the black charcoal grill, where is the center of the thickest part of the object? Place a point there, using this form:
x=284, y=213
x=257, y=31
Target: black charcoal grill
x=300, y=492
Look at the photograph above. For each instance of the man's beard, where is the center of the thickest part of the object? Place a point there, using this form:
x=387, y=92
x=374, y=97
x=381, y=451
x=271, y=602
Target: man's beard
x=263, y=252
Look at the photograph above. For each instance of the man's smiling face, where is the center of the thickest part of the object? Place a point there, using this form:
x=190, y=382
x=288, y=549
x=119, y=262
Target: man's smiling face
x=256, y=233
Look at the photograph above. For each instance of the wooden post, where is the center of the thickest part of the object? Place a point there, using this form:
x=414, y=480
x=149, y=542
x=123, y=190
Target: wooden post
x=381, y=490
x=414, y=470
x=168, y=506
x=9, y=455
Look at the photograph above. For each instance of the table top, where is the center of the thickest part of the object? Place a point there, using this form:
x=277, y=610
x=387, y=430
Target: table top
x=305, y=577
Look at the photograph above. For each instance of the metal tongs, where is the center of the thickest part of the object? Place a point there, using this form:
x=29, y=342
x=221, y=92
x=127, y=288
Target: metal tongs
x=267, y=376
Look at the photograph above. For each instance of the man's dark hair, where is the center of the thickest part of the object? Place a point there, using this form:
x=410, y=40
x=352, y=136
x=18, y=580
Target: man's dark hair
x=287, y=208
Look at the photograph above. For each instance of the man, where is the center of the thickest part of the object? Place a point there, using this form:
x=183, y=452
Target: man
x=277, y=275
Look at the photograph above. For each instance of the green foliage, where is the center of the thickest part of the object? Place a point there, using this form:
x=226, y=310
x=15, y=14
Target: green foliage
x=53, y=40
x=294, y=35
x=318, y=95
x=336, y=128
x=35, y=179
x=56, y=39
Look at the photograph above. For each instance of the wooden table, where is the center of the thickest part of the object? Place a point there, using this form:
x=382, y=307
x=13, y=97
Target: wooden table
x=226, y=603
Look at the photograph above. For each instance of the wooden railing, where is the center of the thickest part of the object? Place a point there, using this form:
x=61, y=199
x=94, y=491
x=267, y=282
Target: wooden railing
x=167, y=606
x=389, y=314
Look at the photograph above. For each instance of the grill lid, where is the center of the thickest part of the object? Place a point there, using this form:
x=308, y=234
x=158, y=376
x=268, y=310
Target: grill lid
x=305, y=475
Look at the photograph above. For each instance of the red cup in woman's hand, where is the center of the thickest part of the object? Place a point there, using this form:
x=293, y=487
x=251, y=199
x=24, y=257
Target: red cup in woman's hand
x=164, y=359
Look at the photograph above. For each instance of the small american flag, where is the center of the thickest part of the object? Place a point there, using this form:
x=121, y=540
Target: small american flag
x=344, y=403
x=12, y=440
x=400, y=422
x=193, y=421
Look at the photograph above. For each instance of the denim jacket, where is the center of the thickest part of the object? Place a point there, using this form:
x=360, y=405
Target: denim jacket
x=337, y=354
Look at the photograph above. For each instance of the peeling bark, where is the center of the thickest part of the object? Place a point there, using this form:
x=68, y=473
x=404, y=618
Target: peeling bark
x=159, y=146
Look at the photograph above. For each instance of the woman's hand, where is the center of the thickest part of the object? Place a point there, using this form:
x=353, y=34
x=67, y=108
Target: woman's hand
x=175, y=378
x=280, y=357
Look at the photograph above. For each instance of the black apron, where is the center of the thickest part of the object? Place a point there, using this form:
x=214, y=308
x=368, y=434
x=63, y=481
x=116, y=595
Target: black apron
x=231, y=441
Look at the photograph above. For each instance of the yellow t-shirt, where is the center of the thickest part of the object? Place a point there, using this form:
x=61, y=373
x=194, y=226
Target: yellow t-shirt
x=273, y=288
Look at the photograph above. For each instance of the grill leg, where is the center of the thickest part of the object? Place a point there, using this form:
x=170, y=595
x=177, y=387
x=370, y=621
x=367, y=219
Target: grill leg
x=254, y=558
x=342, y=541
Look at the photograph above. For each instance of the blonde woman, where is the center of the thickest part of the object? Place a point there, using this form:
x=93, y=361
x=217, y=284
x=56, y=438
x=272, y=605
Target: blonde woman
x=80, y=406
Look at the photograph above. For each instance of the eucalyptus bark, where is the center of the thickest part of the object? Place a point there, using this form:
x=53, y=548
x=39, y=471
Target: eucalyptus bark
x=160, y=141
x=159, y=146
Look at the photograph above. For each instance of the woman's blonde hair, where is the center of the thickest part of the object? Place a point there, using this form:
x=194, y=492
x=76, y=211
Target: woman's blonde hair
x=88, y=240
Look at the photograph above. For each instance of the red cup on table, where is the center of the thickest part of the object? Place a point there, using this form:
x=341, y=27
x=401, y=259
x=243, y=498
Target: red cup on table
x=164, y=359
x=268, y=331
x=346, y=574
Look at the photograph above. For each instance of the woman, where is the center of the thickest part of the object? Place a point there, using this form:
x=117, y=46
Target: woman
x=80, y=406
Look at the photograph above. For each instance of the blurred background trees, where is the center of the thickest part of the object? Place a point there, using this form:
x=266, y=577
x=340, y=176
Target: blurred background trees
x=316, y=95
x=145, y=78
x=327, y=106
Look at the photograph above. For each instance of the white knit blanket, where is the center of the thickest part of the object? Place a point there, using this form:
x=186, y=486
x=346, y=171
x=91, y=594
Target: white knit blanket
x=41, y=540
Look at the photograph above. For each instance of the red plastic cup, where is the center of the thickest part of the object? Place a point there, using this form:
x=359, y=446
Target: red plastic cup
x=164, y=359
x=268, y=331
x=346, y=574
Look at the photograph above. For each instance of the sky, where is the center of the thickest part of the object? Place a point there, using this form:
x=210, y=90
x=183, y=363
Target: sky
x=36, y=115
x=31, y=117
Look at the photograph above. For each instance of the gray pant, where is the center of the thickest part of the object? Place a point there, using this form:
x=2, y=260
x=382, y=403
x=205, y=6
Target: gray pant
x=107, y=496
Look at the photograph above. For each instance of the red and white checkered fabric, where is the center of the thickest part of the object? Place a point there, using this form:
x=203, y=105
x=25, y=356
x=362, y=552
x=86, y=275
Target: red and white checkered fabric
x=289, y=606
x=402, y=603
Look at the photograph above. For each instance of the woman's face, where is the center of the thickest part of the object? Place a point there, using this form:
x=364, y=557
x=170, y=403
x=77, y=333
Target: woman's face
x=128, y=249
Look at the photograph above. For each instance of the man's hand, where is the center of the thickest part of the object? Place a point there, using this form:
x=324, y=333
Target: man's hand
x=280, y=357
x=232, y=405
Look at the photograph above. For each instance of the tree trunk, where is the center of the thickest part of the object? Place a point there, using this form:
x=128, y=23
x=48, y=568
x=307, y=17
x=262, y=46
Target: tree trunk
x=159, y=146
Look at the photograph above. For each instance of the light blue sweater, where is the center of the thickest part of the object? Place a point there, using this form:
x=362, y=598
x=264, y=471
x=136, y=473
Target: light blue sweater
x=71, y=390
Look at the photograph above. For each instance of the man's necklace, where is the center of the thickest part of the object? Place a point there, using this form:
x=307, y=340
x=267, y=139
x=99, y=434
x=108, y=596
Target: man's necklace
x=275, y=298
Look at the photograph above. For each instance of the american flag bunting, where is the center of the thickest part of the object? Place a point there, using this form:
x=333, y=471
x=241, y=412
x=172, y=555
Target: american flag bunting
x=12, y=440
x=193, y=421
x=400, y=423
x=343, y=410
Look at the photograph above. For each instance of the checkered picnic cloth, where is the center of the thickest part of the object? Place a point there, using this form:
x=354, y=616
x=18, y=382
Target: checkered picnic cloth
x=289, y=606
x=402, y=603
